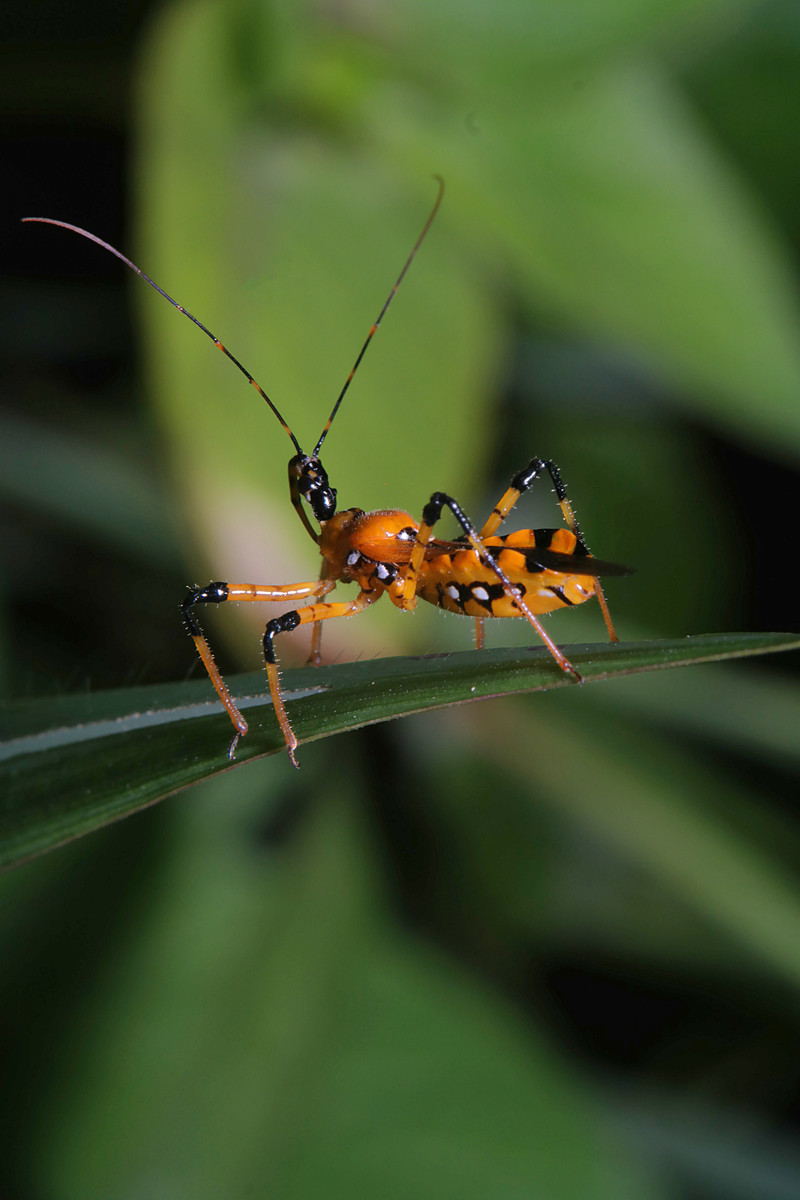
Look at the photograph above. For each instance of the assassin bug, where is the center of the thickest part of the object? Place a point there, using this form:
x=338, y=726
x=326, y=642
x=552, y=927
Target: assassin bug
x=480, y=573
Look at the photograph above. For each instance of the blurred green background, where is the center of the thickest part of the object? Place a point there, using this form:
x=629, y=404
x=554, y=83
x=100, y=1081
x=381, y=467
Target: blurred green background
x=545, y=949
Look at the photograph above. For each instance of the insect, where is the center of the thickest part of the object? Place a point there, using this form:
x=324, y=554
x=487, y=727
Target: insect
x=479, y=574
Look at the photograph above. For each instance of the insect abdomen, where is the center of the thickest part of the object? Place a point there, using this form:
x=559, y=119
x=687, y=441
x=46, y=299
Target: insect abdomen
x=459, y=583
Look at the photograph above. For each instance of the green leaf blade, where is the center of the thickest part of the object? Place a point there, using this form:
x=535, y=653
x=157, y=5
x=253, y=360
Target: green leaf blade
x=73, y=764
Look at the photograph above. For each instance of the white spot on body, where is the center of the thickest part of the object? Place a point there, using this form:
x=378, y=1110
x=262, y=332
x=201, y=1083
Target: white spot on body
x=353, y=558
x=451, y=591
x=480, y=593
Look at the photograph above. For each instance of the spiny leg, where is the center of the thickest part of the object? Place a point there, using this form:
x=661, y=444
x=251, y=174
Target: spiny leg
x=519, y=484
x=218, y=593
x=572, y=522
x=430, y=515
x=284, y=624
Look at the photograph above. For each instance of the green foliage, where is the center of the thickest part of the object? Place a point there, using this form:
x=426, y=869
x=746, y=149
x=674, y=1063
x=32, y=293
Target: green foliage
x=69, y=766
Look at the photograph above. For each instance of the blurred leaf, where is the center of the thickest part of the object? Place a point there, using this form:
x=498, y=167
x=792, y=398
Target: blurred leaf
x=618, y=214
x=550, y=863
x=662, y=810
x=266, y=1029
x=531, y=42
x=593, y=186
x=72, y=764
x=79, y=483
x=722, y=1151
x=755, y=714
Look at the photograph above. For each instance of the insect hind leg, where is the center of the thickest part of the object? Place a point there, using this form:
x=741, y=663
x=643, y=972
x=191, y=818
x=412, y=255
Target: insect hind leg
x=572, y=522
x=431, y=513
x=520, y=484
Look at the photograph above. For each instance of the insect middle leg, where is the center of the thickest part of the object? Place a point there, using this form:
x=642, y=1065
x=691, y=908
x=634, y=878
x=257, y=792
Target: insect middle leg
x=219, y=593
x=430, y=515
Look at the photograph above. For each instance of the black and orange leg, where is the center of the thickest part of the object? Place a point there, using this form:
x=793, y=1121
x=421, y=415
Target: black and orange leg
x=519, y=484
x=572, y=523
x=430, y=515
x=219, y=593
x=284, y=624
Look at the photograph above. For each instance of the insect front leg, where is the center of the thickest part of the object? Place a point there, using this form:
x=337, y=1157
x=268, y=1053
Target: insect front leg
x=284, y=624
x=219, y=593
x=431, y=513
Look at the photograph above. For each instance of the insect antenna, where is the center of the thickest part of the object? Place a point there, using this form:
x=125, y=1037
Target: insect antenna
x=374, y=328
x=118, y=254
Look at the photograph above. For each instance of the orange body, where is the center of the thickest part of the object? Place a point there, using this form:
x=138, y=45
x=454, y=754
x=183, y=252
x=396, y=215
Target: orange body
x=371, y=548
